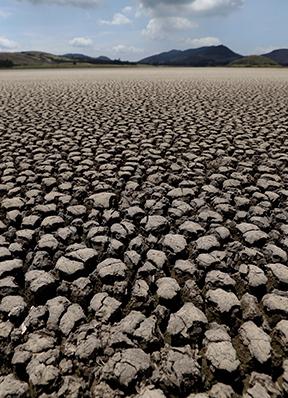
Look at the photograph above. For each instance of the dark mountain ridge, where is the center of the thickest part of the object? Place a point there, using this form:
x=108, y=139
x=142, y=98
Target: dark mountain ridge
x=86, y=58
x=203, y=56
x=280, y=56
x=43, y=59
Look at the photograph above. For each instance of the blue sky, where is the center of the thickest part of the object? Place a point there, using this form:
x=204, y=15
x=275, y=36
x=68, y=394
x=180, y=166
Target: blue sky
x=133, y=29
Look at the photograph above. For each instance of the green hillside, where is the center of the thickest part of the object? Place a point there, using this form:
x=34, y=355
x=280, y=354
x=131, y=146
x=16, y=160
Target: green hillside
x=32, y=58
x=254, y=61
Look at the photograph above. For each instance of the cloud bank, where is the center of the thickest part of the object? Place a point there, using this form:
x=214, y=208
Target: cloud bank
x=161, y=27
x=6, y=44
x=74, y=3
x=81, y=42
x=193, y=7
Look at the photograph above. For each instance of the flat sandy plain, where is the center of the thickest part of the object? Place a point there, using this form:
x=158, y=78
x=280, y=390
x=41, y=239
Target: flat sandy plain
x=144, y=222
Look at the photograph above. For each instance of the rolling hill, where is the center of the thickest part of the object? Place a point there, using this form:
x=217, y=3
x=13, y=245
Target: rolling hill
x=254, y=61
x=32, y=58
x=280, y=56
x=43, y=59
x=203, y=56
x=86, y=58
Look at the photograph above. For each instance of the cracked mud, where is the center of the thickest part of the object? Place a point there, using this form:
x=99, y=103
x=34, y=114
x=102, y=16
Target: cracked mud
x=144, y=233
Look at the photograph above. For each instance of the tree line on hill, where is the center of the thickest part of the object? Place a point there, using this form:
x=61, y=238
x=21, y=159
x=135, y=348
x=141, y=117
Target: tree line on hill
x=6, y=63
x=203, y=56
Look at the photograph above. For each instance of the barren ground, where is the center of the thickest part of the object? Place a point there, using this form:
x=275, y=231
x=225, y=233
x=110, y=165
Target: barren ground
x=144, y=223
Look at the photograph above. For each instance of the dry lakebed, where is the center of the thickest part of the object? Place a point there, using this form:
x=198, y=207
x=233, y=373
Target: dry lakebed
x=144, y=233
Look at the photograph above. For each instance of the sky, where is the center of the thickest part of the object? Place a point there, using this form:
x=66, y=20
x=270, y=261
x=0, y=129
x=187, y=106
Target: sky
x=134, y=29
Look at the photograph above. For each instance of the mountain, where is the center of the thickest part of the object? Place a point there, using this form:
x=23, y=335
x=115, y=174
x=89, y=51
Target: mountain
x=203, y=56
x=43, y=59
x=254, y=61
x=280, y=56
x=103, y=58
x=86, y=58
x=32, y=58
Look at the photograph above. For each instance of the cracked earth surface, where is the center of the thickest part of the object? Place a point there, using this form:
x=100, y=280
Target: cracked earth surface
x=144, y=233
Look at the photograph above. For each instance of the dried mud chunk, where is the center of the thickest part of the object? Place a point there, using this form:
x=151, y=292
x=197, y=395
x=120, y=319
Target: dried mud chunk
x=5, y=331
x=219, y=351
x=274, y=304
x=71, y=318
x=38, y=342
x=275, y=254
x=257, y=342
x=261, y=385
x=12, y=203
x=127, y=367
x=5, y=254
x=111, y=270
x=103, y=200
x=207, y=243
x=284, y=377
x=219, y=279
x=40, y=374
x=52, y=223
x=87, y=348
x=10, y=387
x=76, y=210
x=254, y=275
x=140, y=291
x=181, y=193
x=85, y=255
x=10, y=267
x=221, y=390
x=147, y=332
x=191, y=229
x=103, y=390
x=70, y=269
x=185, y=267
x=157, y=258
x=81, y=289
x=31, y=221
x=48, y=242
x=178, y=370
x=174, y=244
x=255, y=237
x=40, y=283
x=150, y=392
x=71, y=387
x=250, y=308
x=187, y=323
x=104, y=306
x=279, y=272
x=168, y=288
x=280, y=333
x=222, y=301
x=13, y=307
x=155, y=224
x=56, y=307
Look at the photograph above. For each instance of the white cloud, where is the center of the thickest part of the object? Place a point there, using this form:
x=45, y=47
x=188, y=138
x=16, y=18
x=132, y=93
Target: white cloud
x=118, y=19
x=4, y=14
x=161, y=27
x=74, y=3
x=6, y=44
x=215, y=6
x=81, y=42
x=122, y=48
x=127, y=10
x=203, y=41
x=195, y=7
